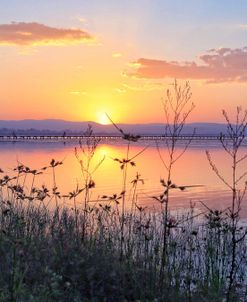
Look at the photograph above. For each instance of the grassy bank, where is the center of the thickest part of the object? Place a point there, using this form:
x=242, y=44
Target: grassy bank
x=99, y=253
x=49, y=256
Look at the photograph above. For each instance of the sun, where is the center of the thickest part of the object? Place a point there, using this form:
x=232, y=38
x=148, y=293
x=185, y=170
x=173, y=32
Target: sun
x=102, y=118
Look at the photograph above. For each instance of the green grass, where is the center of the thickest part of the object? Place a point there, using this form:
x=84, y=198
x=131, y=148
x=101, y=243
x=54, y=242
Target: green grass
x=65, y=255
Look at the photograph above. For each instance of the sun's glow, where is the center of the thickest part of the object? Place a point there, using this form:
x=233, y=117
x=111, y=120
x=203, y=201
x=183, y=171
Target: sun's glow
x=104, y=150
x=102, y=118
x=100, y=105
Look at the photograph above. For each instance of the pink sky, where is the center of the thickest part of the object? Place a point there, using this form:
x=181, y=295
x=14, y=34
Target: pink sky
x=76, y=62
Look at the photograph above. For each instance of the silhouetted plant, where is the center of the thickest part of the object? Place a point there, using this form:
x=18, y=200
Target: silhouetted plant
x=232, y=141
x=85, y=154
x=124, y=163
x=177, y=108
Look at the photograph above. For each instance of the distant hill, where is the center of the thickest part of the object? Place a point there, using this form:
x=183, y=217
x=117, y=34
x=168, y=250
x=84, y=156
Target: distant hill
x=55, y=126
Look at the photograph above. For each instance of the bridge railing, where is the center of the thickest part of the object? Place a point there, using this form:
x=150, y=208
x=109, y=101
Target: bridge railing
x=103, y=137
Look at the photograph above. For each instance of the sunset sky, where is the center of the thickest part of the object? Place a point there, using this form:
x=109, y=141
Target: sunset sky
x=77, y=59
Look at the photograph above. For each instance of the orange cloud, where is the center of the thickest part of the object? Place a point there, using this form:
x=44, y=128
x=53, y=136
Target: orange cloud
x=29, y=34
x=217, y=65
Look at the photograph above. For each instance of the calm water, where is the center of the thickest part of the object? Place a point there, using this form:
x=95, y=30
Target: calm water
x=192, y=169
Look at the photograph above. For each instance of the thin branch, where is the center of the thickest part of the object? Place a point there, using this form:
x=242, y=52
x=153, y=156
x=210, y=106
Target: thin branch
x=216, y=171
x=160, y=155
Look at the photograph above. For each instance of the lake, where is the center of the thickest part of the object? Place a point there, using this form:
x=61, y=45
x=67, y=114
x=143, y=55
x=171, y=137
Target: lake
x=192, y=169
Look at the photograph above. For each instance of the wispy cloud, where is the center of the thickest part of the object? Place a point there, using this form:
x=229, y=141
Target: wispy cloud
x=135, y=64
x=147, y=86
x=241, y=26
x=120, y=90
x=81, y=20
x=78, y=92
x=31, y=34
x=117, y=55
x=217, y=65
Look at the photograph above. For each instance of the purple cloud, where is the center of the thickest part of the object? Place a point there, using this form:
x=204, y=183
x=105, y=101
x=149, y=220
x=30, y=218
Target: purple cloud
x=29, y=34
x=217, y=65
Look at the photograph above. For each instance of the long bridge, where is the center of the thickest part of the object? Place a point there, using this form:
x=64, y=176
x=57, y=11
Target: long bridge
x=16, y=138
